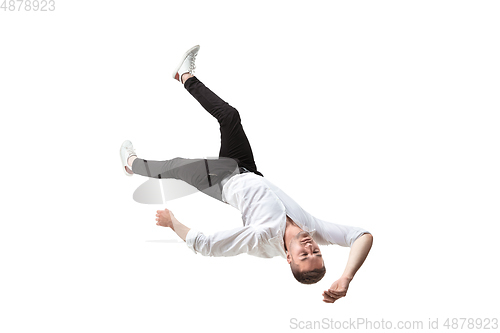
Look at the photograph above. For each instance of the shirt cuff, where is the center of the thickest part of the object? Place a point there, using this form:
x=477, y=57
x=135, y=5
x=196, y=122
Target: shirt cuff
x=191, y=239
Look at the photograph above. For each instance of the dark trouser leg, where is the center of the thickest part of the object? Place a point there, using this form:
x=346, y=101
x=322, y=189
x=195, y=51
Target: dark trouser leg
x=234, y=142
x=204, y=174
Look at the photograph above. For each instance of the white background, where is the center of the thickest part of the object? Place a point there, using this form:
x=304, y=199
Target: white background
x=378, y=114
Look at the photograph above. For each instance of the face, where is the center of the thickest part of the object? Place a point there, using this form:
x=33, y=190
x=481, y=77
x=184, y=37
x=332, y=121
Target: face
x=304, y=252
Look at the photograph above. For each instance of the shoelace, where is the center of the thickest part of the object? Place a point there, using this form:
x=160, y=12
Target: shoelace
x=131, y=151
x=192, y=65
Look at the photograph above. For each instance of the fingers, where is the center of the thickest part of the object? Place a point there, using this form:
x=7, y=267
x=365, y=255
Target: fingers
x=338, y=292
x=334, y=294
x=161, y=214
x=330, y=296
x=328, y=299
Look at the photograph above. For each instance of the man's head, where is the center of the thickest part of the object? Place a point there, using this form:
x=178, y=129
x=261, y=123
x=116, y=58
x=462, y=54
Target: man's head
x=304, y=257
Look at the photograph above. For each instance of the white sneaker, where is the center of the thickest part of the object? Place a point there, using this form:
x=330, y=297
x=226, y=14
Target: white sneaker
x=187, y=63
x=126, y=151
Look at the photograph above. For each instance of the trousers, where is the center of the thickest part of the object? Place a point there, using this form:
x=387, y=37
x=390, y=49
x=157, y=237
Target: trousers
x=208, y=175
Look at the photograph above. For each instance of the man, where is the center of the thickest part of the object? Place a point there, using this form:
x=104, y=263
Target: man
x=273, y=223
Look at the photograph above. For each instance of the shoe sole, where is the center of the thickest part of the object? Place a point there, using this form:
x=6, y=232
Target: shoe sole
x=180, y=64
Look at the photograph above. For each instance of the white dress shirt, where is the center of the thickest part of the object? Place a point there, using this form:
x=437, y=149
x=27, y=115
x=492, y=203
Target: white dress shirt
x=264, y=208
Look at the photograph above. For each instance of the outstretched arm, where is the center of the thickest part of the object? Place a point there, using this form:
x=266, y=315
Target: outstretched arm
x=359, y=251
x=222, y=243
x=166, y=218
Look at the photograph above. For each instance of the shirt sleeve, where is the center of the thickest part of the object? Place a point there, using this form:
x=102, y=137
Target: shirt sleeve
x=333, y=233
x=325, y=233
x=224, y=243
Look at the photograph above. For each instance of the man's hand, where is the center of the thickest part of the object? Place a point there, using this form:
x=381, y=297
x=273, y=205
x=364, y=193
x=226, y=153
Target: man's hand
x=359, y=250
x=164, y=218
x=337, y=290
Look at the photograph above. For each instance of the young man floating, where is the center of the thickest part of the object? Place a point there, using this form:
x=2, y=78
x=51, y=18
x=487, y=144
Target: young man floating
x=273, y=223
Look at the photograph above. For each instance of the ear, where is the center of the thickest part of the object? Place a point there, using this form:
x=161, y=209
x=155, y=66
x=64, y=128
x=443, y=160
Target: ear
x=288, y=257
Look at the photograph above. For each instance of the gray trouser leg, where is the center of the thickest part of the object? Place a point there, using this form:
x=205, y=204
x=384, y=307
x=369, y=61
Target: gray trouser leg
x=204, y=174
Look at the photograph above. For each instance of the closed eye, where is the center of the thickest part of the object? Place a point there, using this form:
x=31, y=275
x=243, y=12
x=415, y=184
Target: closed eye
x=304, y=255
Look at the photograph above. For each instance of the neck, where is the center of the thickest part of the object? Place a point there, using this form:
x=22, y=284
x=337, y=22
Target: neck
x=291, y=230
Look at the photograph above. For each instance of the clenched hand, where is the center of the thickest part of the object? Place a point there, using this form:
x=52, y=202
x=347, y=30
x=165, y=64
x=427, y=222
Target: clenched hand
x=164, y=218
x=336, y=291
